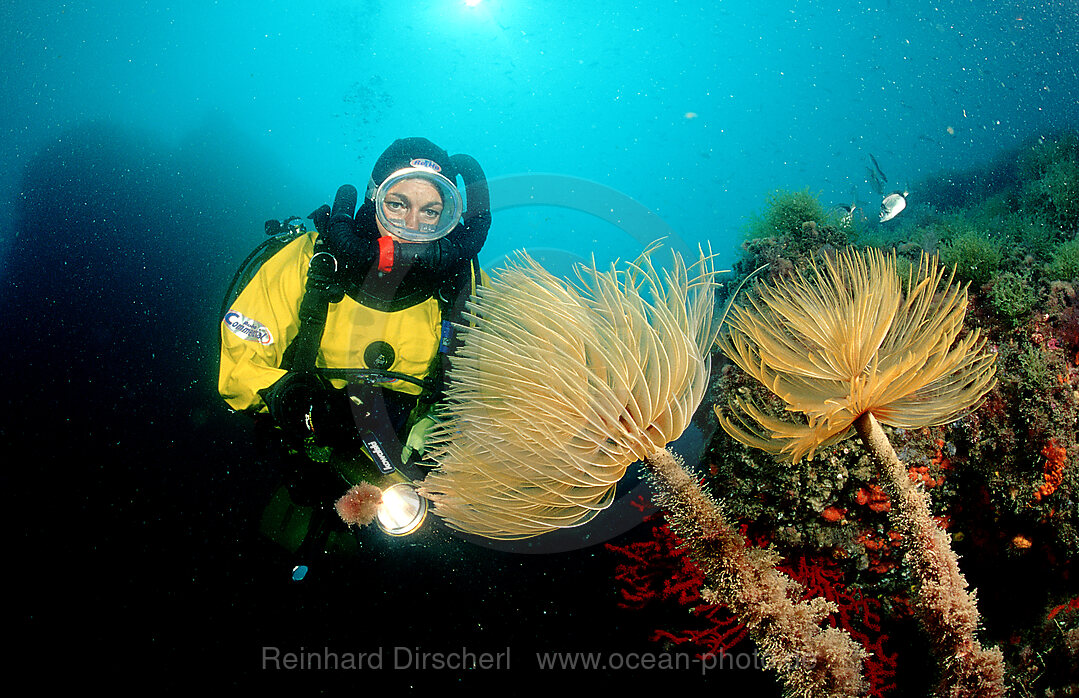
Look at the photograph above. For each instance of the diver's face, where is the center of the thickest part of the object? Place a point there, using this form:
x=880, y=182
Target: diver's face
x=413, y=202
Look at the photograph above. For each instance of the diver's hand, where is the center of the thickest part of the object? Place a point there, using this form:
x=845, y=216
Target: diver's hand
x=337, y=229
x=344, y=208
x=340, y=219
x=321, y=218
x=416, y=443
x=438, y=258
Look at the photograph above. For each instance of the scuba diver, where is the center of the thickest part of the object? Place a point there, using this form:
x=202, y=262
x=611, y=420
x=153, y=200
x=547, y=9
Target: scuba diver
x=336, y=339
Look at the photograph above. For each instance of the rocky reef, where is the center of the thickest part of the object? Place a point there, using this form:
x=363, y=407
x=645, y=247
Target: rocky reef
x=1003, y=479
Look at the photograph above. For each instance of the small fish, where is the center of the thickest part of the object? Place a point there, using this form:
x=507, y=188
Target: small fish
x=893, y=205
x=874, y=180
x=848, y=213
x=879, y=171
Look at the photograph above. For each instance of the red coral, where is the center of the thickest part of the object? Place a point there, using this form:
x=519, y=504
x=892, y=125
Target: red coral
x=721, y=634
x=1072, y=605
x=857, y=614
x=658, y=571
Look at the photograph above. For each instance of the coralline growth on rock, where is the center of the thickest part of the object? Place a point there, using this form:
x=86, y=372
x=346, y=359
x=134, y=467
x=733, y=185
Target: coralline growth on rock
x=1056, y=458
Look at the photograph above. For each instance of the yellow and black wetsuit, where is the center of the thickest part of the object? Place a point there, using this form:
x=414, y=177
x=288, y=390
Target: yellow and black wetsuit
x=341, y=335
x=259, y=326
x=265, y=318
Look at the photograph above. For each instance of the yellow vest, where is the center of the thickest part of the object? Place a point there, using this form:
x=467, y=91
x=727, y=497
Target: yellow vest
x=264, y=319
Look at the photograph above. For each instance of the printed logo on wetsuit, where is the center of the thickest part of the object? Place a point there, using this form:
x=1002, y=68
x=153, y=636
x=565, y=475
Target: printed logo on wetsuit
x=426, y=164
x=248, y=328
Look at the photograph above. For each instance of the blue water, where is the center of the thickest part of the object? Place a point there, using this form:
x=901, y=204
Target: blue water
x=696, y=110
x=144, y=144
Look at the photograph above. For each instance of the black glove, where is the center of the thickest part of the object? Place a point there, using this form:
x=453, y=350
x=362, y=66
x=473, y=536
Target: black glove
x=303, y=406
x=337, y=228
x=436, y=259
x=321, y=218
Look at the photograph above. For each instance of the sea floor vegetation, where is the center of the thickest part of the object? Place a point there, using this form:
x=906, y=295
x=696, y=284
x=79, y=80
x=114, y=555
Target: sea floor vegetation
x=1002, y=479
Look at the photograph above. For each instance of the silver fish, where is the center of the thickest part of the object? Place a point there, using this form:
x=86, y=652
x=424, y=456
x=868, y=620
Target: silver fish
x=893, y=205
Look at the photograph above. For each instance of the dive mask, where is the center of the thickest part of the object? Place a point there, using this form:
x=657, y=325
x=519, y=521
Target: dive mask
x=417, y=203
